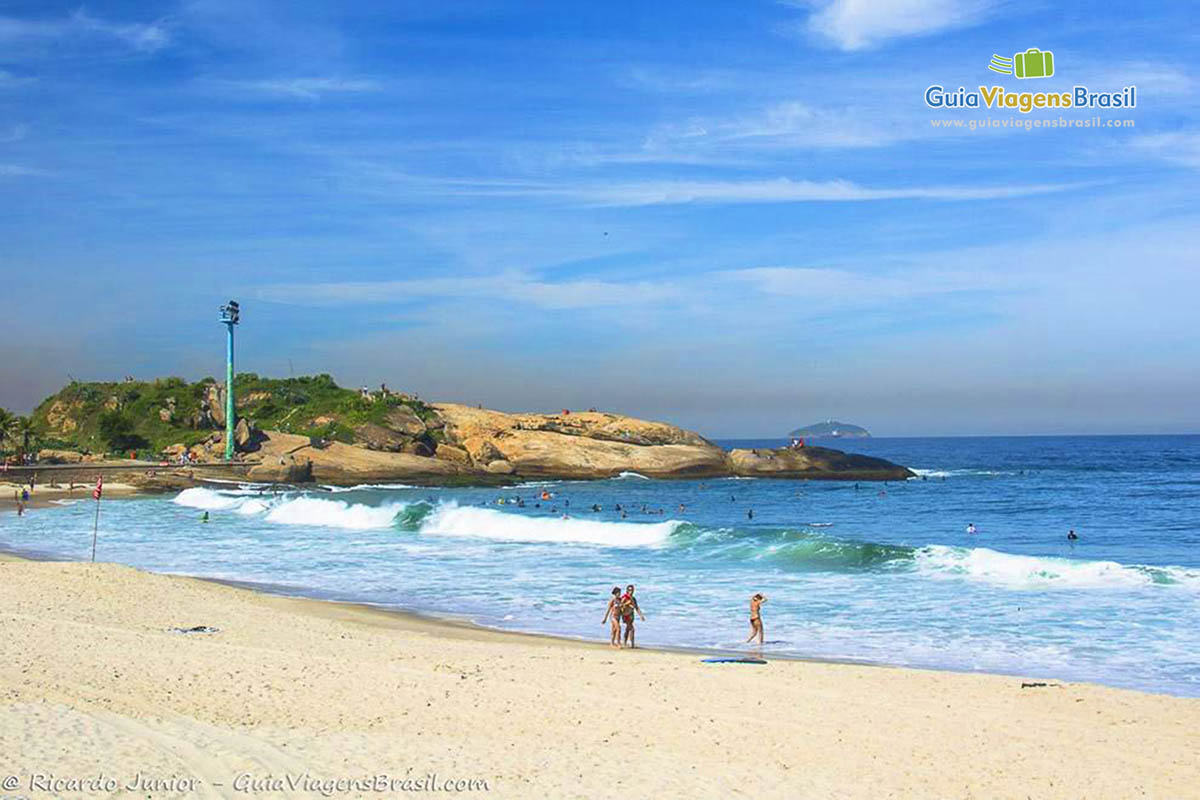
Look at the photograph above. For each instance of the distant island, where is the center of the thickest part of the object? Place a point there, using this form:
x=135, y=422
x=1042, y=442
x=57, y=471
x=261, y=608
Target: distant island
x=831, y=429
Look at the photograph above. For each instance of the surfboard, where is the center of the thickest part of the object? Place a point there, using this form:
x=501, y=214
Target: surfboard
x=743, y=660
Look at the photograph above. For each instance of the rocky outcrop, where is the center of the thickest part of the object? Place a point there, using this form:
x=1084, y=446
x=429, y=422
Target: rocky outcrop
x=213, y=408
x=578, y=445
x=344, y=464
x=814, y=463
x=50, y=456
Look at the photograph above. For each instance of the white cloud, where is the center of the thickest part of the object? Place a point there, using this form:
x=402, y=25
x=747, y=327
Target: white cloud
x=513, y=287
x=1181, y=147
x=19, y=171
x=785, y=190
x=142, y=37
x=304, y=88
x=860, y=24
x=783, y=125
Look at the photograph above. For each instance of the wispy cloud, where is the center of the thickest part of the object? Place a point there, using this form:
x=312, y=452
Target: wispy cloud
x=785, y=190
x=783, y=125
x=14, y=134
x=7, y=80
x=20, y=171
x=141, y=37
x=510, y=286
x=860, y=24
x=303, y=88
x=1179, y=147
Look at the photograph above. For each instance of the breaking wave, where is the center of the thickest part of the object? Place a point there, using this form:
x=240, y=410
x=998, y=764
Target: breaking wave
x=1044, y=572
x=452, y=520
x=289, y=509
x=810, y=549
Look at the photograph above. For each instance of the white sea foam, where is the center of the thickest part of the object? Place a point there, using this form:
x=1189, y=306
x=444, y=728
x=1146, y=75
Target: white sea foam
x=293, y=510
x=1044, y=572
x=633, y=475
x=333, y=513
x=960, y=473
x=362, y=486
x=252, y=506
x=208, y=499
x=452, y=520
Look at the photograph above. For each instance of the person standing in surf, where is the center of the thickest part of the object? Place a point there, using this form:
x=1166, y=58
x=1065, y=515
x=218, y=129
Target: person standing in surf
x=756, y=624
x=629, y=606
x=613, y=613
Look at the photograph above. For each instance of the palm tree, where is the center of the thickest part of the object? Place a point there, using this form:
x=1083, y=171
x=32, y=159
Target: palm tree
x=7, y=423
x=23, y=429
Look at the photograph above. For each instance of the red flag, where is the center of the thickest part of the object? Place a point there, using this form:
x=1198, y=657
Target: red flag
x=99, y=490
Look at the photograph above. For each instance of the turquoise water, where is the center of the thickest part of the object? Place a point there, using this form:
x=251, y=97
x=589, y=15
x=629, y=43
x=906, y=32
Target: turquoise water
x=872, y=573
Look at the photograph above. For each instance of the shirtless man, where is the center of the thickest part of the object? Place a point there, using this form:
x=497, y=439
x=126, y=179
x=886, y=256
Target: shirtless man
x=613, y=613
x=629, y=605
x=756, y=624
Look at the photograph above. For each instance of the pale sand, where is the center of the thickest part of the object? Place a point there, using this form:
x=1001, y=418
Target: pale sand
x=45, y=494
x=91, y=681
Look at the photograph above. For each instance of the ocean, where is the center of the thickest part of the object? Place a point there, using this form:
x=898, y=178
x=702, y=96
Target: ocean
x=860, y=572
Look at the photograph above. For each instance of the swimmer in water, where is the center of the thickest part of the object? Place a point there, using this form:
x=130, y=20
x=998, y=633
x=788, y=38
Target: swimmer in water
x=750, y=514
x=204, y=517
x=971, y=527
x=1071, y=535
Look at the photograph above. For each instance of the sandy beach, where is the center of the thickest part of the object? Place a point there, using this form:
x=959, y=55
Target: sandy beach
x=47, y=494
x=97, y=685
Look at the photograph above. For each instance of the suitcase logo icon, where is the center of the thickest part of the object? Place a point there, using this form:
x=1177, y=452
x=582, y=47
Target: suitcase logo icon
x=1033, y=63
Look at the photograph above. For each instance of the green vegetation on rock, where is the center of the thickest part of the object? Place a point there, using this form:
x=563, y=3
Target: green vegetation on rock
x=152, y=415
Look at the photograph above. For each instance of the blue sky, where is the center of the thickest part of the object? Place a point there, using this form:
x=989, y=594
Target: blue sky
x=735, y=216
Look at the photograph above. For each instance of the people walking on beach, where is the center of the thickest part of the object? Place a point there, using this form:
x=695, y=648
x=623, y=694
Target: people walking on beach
x=612, y=615
x=756, y=624
x=629, y=606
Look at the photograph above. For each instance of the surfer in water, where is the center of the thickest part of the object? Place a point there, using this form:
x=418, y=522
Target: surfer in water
x=629, y=606
x=756, y=624
x=613, y=614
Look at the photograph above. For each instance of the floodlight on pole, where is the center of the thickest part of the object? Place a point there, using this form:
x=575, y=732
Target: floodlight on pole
x=230, y=315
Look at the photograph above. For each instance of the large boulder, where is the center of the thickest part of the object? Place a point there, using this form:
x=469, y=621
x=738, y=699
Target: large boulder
x=51, y=456
x=403, y=420
x=593, y=444
x=344, y=464
x=449, y=452
x=283, y=469
x=377, y=437
x=813, y=462
x=579, y=445
x=214, y=404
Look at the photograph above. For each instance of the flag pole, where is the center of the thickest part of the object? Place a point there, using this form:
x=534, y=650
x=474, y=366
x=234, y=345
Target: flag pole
x=96, y=522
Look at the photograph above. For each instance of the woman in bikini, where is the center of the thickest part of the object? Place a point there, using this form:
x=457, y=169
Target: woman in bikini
x=756, y=624
x=629, y=605
x=613, y=613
